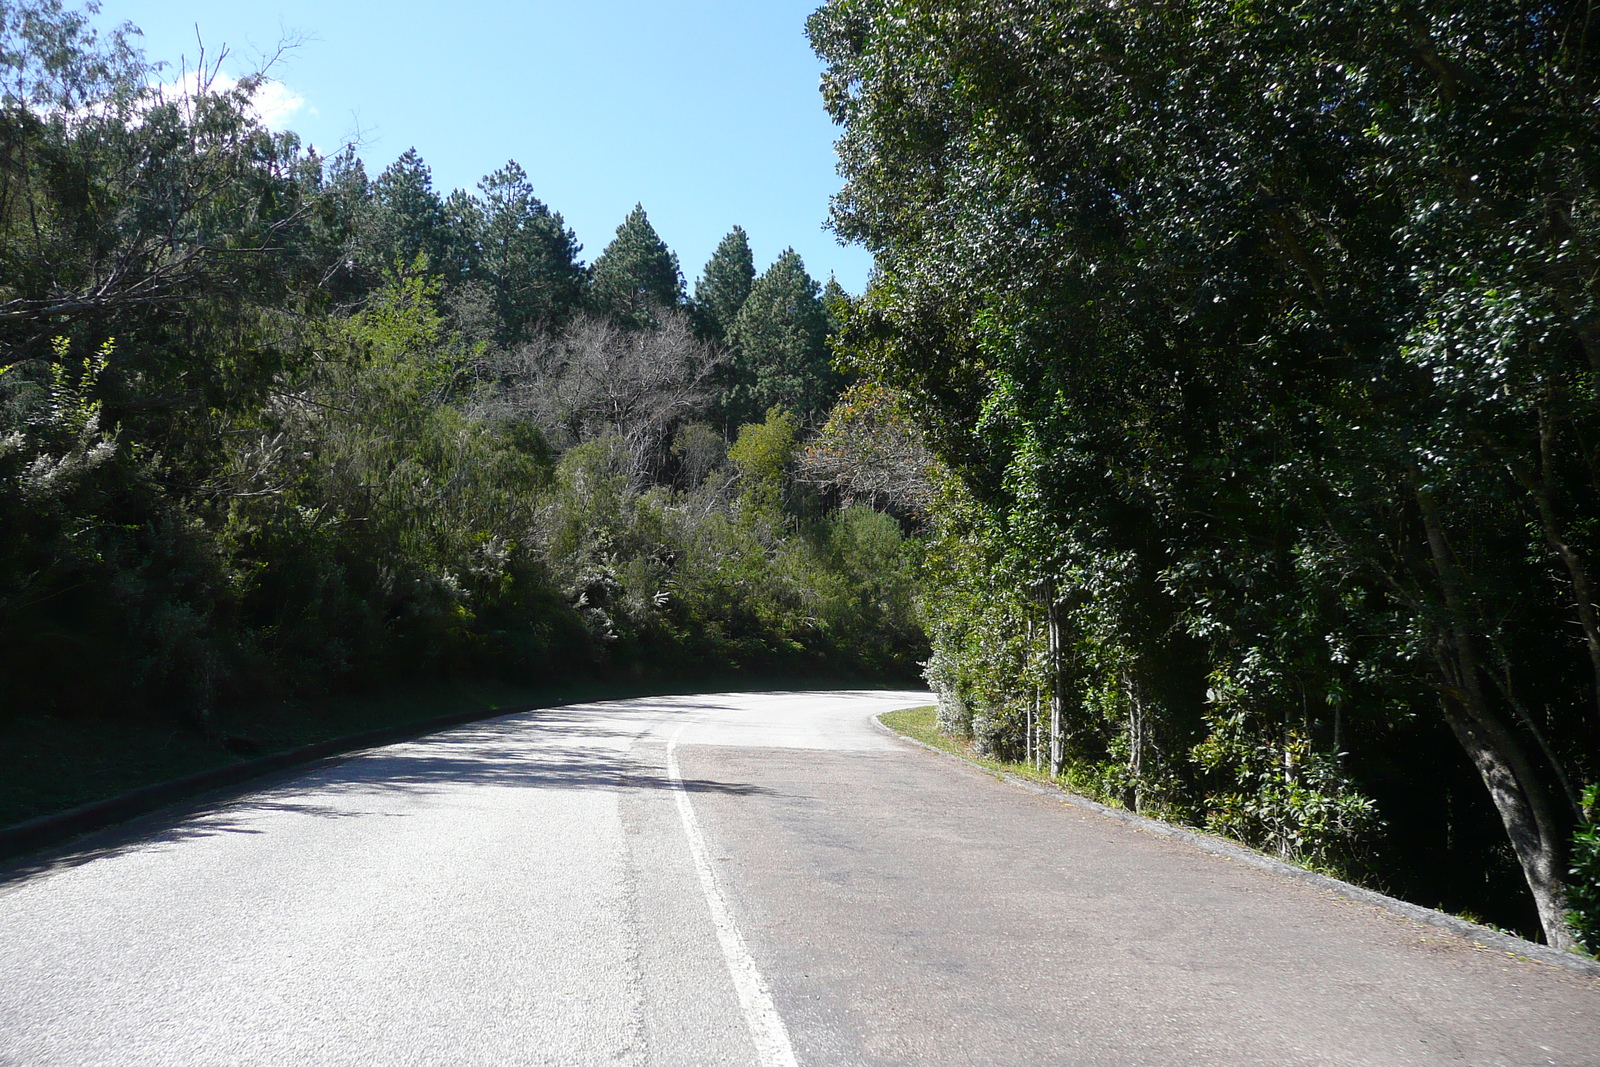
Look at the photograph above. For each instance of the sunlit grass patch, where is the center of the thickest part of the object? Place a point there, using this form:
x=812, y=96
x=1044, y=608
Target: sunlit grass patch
x=921, y=724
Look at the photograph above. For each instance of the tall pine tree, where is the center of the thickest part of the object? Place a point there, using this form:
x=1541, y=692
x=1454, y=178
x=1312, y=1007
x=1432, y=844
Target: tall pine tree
x=529, y=256
x=408, y=218
x=637, y=276
x=780, y=342
x=724, y=285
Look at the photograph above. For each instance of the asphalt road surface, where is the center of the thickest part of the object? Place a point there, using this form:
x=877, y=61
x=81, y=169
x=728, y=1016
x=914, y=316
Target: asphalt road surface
x=751, y=879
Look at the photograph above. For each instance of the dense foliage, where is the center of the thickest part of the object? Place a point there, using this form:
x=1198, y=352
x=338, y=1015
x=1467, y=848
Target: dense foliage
x=1261, y=343
x=1584, y=892
x=268, y=426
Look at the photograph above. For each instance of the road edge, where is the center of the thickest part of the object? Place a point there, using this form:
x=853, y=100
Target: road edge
x=1482, y=936
x=45, y=831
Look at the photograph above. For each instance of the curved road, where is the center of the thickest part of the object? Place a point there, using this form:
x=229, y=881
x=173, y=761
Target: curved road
x=751, y=879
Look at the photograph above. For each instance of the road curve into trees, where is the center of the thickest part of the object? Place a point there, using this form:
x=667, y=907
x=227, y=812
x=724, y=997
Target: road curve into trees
x=724, y=879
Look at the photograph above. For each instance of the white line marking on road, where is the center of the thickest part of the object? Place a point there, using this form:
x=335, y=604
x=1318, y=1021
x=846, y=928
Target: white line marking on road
x=766, y=1025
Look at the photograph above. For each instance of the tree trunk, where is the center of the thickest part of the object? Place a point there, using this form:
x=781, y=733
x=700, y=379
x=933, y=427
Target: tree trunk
x=1029, y=751
x=1517, y=792
x=1538, y=855
x=1057, y=697
x=1501, y=677
x=1136, y=724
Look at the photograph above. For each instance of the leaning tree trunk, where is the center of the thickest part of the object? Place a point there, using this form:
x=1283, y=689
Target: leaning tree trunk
x=1537, y=850
x=1501, y=761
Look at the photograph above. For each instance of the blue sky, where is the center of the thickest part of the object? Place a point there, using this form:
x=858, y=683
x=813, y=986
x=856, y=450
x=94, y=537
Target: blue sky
x=705, y=111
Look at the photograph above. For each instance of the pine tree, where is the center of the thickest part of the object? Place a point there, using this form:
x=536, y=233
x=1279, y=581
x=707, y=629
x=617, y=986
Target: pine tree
x=724, y=285
x=780, y=342
x=460, y=245
x=408, y=218
x=637, y=276
x=529, y=256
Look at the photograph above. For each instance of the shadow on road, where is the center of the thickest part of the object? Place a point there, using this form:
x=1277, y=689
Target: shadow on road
x=560, y=748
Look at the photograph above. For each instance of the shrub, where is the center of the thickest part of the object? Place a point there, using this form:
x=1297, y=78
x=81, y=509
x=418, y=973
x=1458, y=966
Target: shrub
x=1583, y=891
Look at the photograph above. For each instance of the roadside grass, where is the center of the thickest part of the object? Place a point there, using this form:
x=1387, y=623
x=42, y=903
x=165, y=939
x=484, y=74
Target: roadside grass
x=921, y=724
x=50, y=763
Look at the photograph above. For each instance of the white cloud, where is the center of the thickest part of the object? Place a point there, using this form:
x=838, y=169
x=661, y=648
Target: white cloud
x=273, y=103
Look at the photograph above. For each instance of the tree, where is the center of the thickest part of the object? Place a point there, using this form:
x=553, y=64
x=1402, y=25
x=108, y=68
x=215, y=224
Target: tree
x=780, y=344
x=529, y=256
x=869, y=452
x=837, y=303
x=53, y=60
x=173, y=223
x=115, y=197
x=763, y=454
x=267, y=425
x=724, y=285
x=594, y=379
x=637, y=276
x=409, y=220
x=1258, y=334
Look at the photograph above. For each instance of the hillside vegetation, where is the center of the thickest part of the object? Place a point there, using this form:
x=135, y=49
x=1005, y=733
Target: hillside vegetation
x=271, y=427
x=1219, y=431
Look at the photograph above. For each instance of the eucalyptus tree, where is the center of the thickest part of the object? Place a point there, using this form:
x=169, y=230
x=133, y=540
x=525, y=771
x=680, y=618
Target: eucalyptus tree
x=1264, y=339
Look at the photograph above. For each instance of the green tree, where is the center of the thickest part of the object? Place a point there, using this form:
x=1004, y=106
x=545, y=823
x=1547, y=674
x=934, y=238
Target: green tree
x=529, y=256
x=780, y=344
x=724, y=285
x=256, y=437
x=54, y=60
x=763, y=453
x=1253, y=344
x=637, y=276
x=408, y=219
x=177, y=225
x=837, y=303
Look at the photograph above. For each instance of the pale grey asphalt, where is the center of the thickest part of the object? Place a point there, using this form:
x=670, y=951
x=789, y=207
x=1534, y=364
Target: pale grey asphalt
x=521, y=892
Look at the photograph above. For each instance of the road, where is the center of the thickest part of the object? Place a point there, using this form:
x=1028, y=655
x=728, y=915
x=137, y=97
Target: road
x=749, y=879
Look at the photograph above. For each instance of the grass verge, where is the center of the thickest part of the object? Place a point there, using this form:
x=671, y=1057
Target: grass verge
x=921, y=724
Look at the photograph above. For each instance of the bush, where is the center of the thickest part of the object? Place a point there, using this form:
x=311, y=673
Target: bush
x=1274, y=789
x=1583, y=891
